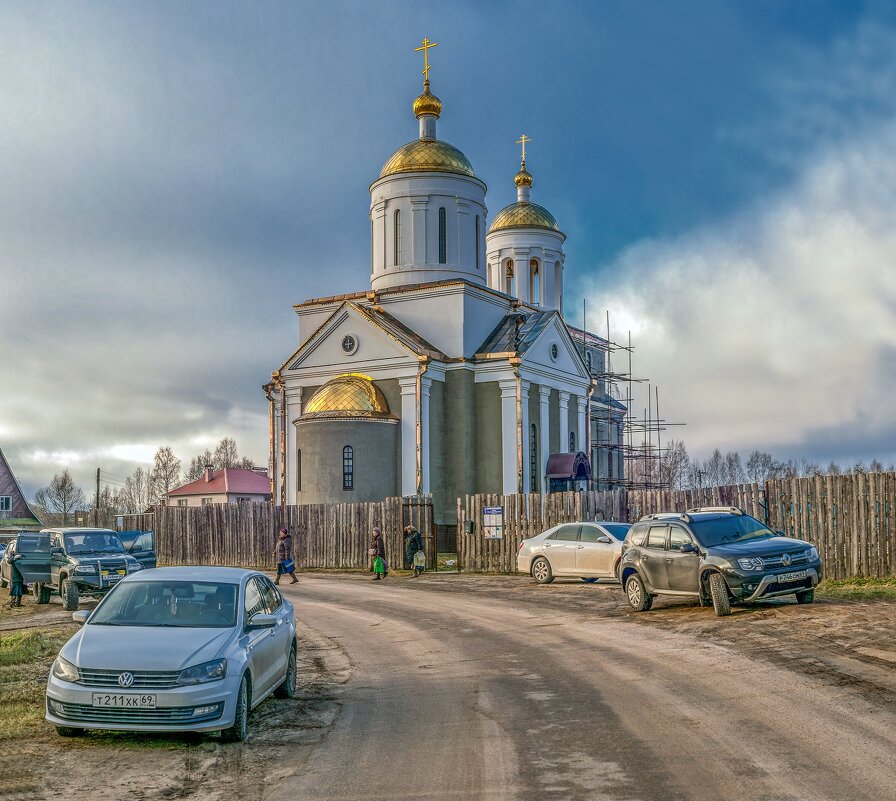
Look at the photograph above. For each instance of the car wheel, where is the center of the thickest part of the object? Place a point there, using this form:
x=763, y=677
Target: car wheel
x=70, y=596
x=718, y=589
x=805, y=597
x=68, y=731
x=287, y=688
x=589, y=580
x=637, y=595
x=240, y=728
x=41, y=593
x=541, y=571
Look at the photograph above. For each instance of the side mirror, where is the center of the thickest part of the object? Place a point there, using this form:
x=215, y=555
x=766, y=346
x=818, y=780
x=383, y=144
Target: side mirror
x=80, y=617
x=136, y=549
x=780, y=533
x=261, y=621
x=604, y=539
x=56, y=549
x=688, y=547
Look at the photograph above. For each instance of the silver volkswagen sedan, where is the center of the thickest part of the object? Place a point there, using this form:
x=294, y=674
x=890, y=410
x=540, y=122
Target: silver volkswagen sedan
x=176, y=649
x=585, y=550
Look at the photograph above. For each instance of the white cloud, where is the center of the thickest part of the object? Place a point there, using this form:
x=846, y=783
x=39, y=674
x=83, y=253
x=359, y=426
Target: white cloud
x=776, y=328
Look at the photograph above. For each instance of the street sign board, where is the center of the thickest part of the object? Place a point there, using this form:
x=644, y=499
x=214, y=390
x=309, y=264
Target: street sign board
x=493, y=522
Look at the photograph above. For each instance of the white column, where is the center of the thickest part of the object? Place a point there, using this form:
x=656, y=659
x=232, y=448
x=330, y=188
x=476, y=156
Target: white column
x=527, y=468
x=426, y=385
x=563, y=444
x=408, y=435
x=508, y=437
x=418, y=231
x=464, y=233
x=544, y=433
x=378, y=243
x=581, y=445
x=293, y=410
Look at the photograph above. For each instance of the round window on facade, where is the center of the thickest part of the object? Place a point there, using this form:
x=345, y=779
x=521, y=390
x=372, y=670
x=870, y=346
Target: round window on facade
x=555, y=351
x=349, y=343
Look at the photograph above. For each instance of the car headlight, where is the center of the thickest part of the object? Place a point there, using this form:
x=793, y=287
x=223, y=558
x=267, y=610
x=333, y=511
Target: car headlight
x=65, y=670
x=750, y=563
x=207, y=671
x=134, y=567
x=85, y=569
x=812, y=554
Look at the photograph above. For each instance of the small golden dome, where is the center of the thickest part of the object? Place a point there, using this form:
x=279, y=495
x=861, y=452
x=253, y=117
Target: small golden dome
x=427, y=103
x=427, y=155
x=524, y=215
x=523, y=178
x=348, y=395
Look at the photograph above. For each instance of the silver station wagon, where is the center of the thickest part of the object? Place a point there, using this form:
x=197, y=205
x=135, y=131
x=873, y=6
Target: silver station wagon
x=176, y=649
x=587, y=550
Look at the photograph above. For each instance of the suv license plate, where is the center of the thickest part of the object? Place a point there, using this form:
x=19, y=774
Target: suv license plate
x=784, y=578
x=124, y=701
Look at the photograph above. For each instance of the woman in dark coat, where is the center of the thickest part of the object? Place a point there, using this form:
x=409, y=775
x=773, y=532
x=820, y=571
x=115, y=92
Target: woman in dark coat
x=16, y=581
x=378, y=551
x=413, y=542
x=283, y=555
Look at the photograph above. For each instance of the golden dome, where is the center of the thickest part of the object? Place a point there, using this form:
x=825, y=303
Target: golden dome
x=427, y=155
x=524, y=215
x=523, y=177
x=348, y=395
x=427, y=103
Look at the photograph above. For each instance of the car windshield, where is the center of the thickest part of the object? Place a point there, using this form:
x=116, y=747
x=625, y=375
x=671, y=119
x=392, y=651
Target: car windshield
x=93, y=542
x=618, y=530
x=731, y=528
x=181, y=604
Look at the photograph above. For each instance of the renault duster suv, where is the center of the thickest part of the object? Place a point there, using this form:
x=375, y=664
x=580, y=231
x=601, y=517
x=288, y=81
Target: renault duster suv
x=716, y=554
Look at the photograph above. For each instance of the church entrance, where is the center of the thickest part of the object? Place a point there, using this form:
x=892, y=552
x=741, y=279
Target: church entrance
x=568, y=472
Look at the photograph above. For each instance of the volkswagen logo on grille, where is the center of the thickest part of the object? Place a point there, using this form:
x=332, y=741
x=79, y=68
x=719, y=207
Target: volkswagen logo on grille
x=126, y=679
x=786, y=560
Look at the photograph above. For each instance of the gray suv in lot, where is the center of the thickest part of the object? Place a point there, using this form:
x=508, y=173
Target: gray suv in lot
x=717, y=554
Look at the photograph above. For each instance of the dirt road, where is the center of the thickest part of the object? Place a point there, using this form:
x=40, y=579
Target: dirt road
x=474, y=687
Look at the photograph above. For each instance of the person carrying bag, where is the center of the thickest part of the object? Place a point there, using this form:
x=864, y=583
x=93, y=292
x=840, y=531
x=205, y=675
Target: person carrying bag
x=377, y=550
x=283, y=556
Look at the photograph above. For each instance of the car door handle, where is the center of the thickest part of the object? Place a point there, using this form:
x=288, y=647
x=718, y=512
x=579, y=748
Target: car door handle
x=547, y=545
x=579, y=547
x=645, y=557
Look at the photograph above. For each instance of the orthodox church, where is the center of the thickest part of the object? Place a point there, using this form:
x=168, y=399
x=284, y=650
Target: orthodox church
x=455, y=372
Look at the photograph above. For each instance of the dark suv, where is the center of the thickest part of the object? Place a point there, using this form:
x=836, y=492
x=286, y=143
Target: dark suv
x=716, y=554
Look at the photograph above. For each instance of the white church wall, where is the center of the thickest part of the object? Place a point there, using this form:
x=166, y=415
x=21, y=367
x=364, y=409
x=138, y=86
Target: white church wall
x=520, y=246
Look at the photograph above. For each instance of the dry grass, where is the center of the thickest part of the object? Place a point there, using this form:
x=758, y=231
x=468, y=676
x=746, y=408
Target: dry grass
x=859, y=588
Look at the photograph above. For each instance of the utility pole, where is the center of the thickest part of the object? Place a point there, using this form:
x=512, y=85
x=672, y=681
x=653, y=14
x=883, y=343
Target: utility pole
x=96, y=506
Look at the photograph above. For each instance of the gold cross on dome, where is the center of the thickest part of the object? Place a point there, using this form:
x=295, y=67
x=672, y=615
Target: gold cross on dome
x=522, y=141
x=425, y=46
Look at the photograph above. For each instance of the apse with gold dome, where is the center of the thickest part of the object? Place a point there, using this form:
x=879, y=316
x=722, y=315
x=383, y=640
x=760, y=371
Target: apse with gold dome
x=427, y=208
x=525, y=247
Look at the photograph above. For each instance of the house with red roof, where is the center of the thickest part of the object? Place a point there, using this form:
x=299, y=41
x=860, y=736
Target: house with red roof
x=228, y=485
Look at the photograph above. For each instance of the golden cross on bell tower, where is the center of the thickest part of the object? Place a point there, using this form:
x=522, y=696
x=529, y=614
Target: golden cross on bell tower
x=425, y=46
x=522, y=141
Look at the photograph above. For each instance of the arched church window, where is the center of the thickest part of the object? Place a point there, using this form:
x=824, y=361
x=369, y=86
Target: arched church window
x=443, y=237
x=533, y=458
x=509, y=285
x=477, y=241
x=572, y=441
x=348, y=468
x=534, y=282
x=397, y=237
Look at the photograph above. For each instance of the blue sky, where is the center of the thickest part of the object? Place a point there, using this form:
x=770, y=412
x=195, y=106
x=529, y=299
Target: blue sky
x=177, y=175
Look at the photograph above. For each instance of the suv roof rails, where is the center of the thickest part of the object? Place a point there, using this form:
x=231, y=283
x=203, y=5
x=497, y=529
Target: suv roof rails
x=732, y=510
x=667, y=516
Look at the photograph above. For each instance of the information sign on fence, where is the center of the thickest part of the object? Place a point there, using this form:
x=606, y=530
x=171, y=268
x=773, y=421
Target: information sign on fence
x=493, y=522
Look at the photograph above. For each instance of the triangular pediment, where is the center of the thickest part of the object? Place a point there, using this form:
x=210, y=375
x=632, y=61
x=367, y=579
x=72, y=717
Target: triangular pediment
x=553, y=349
x=354, y=336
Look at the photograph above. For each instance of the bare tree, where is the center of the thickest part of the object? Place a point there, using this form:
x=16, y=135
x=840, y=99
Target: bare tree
x=62, y=496
x=833, y=469
x=674, y=465
x=198, y=465
x=246, y=463
x=761, y=466
x=165, y=475
x=734, y=469
x=226, y=454
x=136, y=494
x=875, y=466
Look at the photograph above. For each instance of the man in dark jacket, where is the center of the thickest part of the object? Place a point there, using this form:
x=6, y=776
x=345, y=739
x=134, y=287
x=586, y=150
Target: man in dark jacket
x=413, y=542
x=16, y=581
x=283, y=555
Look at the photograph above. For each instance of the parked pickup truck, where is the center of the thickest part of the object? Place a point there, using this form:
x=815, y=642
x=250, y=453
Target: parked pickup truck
x=74, y=562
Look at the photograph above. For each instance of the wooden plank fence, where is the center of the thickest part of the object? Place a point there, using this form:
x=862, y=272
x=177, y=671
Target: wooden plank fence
x=850, y=519
x=324, y=536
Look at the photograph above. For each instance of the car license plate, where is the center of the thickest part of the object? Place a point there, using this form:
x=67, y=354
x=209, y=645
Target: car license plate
x=784, y=578
x=124, y=701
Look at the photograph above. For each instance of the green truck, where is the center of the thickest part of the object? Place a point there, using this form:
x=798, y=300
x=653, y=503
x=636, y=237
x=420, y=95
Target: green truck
x=76, y=562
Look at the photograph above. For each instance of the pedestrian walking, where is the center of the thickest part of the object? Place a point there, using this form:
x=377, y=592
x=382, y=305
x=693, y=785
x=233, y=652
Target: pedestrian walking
x=414, y=557
x=377, y=550
x=16, y=581
x=283, y=555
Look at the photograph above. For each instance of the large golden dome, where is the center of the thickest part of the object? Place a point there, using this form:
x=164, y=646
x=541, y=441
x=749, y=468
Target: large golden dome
x=427, y=155
x=348, y=395
x=524, y=215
